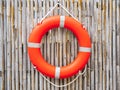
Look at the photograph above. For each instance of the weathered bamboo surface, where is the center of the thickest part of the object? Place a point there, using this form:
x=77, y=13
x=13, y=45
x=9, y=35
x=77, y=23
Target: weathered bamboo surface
x=59, y=47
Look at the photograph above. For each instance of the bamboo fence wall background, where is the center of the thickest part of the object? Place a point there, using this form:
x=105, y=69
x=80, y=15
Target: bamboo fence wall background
x=59, y=47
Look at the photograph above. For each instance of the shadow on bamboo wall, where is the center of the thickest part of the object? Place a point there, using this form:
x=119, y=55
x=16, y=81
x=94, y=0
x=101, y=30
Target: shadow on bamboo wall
x=59, y=47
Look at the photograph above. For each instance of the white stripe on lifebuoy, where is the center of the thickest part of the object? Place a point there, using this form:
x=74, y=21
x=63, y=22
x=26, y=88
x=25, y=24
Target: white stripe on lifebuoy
x=34, y=45
x=57, y=72
x=84, y=49
x=62, y=21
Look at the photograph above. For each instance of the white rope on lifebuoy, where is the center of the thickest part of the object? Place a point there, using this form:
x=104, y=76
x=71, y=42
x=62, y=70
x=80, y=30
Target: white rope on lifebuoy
x=60, y=86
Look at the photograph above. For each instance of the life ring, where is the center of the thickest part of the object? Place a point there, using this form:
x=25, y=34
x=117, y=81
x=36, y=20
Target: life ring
x=35, y=52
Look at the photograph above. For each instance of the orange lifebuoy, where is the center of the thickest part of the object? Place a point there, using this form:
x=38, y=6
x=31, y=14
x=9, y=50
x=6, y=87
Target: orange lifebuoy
x=37, y=58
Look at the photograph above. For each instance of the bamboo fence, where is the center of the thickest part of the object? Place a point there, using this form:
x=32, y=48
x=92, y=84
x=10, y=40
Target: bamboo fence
x=59, y=47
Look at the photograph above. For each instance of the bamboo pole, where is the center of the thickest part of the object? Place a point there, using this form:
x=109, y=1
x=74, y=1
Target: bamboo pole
x=16, y=47
x=84, y=22
x=118, y=45
x=24, y=43
x=60, y=38
x=52, y=39
x=76, y=48
x=52, y=55
x=96, y=43
x=56, y=42
x=107, y=43
x=2, y=68
x=5, y=44
x=13, y=45
x=48, y=44
x=88, y=28
x=114, y=38
x=67, y=35
x=8, y=47
x=92, y=66
x=100, y=45
x=20, y=43
x=32, y=25
x=64, y=46
x=44, y=41
x=80, y=19
x=93, y=47
x=110, y=41
x=35, y=23
x=1, y=37
x=28, y=32
x=40, y=17
x=61, y=35
x=104, y=43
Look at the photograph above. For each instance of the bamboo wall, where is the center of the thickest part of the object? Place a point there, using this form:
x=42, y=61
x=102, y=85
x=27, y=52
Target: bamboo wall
x=59, y=47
